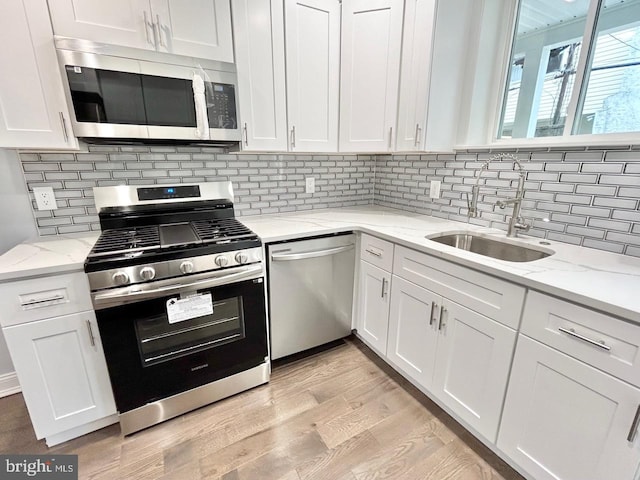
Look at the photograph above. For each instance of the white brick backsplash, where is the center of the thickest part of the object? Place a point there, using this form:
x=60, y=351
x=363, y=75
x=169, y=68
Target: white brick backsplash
x=262, y=183
x=575, y=188
x=585, y=193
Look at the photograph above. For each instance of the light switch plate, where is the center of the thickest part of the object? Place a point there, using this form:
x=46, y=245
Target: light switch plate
x=434, y=189
x=310, y=185
x=45, y=198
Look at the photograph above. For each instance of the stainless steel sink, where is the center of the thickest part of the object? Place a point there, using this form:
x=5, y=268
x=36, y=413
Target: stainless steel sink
x=490, y=247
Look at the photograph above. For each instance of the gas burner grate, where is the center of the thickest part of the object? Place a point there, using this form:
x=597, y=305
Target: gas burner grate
x=126, y=240
x=222, y=231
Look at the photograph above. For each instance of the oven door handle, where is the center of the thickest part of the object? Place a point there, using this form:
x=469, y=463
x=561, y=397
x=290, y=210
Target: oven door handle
x=278, y=257
x=125, y=295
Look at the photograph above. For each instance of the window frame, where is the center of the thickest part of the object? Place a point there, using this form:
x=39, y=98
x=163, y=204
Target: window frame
x=577, y=96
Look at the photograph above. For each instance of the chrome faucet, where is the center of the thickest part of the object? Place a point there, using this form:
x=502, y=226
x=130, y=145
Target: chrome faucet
x=517, y=222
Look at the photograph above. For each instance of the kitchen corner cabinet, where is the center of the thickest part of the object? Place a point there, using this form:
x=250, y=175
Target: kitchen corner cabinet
x=565, y=420
x=373, y=312
x=198, y=28
x=372, y=320
x=33, y=109
x=313, y=74
x=371, y=46
x=53, y=339
x=259, y=34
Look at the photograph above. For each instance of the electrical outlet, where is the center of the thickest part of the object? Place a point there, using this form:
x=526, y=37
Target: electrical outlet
x=310, y=185
x=434, y=189
x=45, y=199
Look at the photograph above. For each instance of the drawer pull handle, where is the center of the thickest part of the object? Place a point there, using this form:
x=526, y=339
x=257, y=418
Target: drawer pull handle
x=634, y=426
x=442, y=322
x=373, y=253
x=432, y=318
x=595, y=343
x=91, y=337
x=45, y=300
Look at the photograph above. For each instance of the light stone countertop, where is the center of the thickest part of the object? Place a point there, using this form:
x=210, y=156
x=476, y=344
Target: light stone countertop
x=46, y=256
x=605, y=281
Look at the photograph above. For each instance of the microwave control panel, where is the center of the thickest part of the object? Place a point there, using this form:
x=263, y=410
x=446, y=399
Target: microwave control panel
x=221, y=106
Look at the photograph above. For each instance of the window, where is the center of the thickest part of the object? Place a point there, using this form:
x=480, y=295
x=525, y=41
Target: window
x=570, y=84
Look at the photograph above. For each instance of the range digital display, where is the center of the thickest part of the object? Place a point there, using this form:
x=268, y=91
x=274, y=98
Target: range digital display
x=164, y=193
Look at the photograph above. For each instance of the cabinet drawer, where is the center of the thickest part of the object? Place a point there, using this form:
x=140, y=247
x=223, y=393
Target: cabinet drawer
x=377, y=252
x=494, y=298
x=600, y=340
x=37, y=298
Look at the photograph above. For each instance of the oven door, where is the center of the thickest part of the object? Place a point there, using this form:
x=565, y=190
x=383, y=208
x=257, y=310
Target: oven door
x=169, y=341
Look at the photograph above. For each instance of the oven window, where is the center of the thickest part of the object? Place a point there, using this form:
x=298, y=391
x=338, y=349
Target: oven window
x=160, y=341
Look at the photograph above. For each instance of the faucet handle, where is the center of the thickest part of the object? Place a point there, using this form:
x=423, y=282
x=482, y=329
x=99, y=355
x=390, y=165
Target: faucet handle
x=521, y=224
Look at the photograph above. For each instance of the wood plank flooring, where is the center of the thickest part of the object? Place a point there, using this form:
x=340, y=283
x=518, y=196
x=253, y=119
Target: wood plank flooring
x=340, y=414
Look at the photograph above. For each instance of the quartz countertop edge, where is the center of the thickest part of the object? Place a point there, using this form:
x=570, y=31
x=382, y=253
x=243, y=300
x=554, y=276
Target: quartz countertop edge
x=601, y=280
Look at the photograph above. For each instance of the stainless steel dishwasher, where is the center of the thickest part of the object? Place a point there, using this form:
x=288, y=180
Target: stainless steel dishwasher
x=310, y=292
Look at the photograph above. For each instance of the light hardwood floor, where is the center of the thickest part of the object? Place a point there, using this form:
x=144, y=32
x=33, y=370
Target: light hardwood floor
x=341, y=414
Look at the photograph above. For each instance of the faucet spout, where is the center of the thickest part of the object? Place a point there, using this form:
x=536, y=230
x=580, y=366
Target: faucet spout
x=516, y=223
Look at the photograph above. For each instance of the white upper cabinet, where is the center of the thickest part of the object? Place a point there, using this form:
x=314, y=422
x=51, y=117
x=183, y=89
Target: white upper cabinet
x=313, y=74
x=119, y=22
x=259, y=36
x=198, y=28
x=371, y=43
x=417, y=44
x=33, y=110
x=435, y=54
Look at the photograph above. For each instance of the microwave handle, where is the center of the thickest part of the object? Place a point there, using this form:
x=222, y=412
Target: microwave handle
x=200, y=102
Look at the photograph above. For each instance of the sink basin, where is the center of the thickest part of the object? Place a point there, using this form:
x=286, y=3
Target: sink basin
x=491, y=247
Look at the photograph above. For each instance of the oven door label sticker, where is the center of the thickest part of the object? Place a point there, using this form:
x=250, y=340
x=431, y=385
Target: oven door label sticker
x=181, y=309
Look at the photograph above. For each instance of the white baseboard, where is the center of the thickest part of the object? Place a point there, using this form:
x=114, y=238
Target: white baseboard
x=9, y=384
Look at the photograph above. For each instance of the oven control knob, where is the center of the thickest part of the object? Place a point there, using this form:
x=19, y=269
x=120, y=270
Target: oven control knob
x=242, y=258
x=186, y=267
x=147, y=273
x=120, y=278
x=221, y=261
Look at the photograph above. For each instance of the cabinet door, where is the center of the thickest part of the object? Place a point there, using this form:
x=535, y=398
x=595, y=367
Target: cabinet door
x=313, y=74
x=197, y=28
x=33, y=110
x=565, y=420
x=118, y=22
x=417, y=41
x=413, y=330
x=62, y=371
x=373, y=311
x=371, y=41
x=472, y=366
x=259, y=35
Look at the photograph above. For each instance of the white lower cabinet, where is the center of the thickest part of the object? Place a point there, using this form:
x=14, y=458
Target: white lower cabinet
x=458, y=355
x=472, y=366
x=62, y=372
x=413, y=330
x=373, y=317
x=565, y=420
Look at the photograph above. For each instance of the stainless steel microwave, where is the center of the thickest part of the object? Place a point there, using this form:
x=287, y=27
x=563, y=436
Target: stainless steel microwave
x=126, y=98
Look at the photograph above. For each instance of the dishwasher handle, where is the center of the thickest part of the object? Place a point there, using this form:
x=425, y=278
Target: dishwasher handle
x=279, y=257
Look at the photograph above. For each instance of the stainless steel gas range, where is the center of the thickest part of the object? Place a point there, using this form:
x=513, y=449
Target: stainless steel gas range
x=177, y=283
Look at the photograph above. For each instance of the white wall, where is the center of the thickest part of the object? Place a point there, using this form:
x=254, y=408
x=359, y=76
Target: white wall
x=16, y=221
